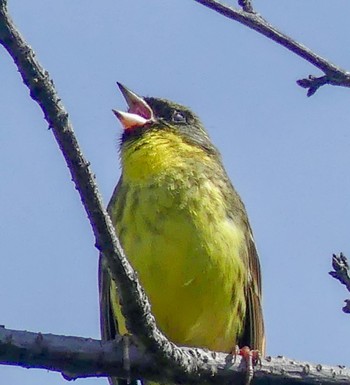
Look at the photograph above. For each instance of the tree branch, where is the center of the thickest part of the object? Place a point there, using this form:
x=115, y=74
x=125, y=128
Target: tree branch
x=341, y=272
x=77, y=357
x=334, y=75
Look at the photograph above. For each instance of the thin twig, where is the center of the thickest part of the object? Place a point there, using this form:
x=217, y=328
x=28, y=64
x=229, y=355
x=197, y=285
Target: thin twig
x=341, y=269
x=341, y=272
x=246, y=5
x=334, y=75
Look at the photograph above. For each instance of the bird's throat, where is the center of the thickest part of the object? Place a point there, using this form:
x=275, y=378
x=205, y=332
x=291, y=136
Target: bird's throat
x=156, y=155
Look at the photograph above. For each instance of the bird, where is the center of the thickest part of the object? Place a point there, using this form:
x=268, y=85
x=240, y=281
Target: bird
x=185, y=230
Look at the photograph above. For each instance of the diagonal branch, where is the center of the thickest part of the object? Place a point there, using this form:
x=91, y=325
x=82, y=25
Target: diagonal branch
x=77, y=357
x=334, y=75
x=136, y=308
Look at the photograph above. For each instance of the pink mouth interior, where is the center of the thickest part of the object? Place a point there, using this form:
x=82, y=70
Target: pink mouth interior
x=141, y=110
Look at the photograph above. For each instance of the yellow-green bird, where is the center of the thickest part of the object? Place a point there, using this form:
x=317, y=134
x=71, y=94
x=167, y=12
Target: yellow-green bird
x=185, y=230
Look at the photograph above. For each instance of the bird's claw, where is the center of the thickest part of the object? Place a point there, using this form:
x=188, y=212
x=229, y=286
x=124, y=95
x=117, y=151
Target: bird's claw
x=251, y=359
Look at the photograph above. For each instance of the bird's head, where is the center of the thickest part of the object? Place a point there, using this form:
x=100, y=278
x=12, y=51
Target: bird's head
x=147, y=114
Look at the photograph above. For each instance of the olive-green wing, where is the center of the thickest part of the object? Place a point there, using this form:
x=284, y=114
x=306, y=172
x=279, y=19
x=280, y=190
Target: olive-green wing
x=254, y=334
x=108, y=323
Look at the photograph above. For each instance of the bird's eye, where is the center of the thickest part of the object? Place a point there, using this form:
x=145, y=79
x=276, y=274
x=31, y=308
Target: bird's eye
x=179, y=117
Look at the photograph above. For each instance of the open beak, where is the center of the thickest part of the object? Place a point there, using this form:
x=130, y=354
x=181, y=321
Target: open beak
x=139, y=112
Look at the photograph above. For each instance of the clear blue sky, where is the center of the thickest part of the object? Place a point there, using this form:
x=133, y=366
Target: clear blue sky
x=287, y=155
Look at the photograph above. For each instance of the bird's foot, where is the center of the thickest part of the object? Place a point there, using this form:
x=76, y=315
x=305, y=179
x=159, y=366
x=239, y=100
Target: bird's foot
x=251, y=359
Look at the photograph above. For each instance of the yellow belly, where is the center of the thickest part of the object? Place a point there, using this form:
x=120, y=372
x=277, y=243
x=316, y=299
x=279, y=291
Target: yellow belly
x=187, y=253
